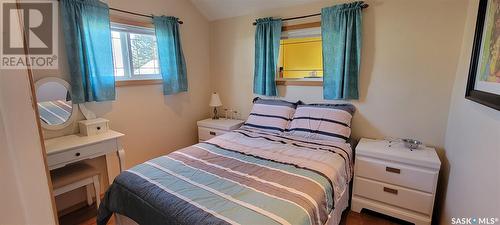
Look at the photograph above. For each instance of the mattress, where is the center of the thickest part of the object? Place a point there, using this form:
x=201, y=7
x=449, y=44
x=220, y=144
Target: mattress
x=242, y=177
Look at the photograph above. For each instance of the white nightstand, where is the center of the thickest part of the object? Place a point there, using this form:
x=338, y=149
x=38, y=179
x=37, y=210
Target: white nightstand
x=395, y=181
x=210, y=128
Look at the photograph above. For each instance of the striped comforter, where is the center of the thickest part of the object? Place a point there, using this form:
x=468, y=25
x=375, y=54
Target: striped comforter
x=243, y=177
x=55, y=112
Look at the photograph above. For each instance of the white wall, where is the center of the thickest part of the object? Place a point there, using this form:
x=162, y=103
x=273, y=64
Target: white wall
x=51, y=91
x=409, y=58
x=24, y=184
x=25, y=195
x=10, y=189
x=472, y=146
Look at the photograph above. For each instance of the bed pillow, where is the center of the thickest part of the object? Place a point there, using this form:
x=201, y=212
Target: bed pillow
x=271, y=115
x=322, y=122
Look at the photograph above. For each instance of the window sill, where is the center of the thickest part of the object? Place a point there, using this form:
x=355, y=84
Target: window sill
x=121, y=83
x=300, y=82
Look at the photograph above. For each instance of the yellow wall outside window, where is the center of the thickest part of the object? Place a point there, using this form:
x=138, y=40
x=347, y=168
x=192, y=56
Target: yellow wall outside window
x=301, y=56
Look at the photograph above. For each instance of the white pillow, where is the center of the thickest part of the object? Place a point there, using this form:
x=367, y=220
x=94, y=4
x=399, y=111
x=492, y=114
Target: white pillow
x=322, y=122
x=270, y=115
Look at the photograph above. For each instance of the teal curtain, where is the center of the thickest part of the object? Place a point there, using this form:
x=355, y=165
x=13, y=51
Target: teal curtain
x=171, y=58
x=341, y=34
x=267, y=47
x=87, y=36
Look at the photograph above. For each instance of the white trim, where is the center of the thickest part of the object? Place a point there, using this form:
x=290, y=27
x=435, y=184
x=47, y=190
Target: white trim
x=120, y=27
x=139, y=77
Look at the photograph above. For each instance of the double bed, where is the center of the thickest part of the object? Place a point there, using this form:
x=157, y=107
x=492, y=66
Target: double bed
x=248, y=176
x=290, y=163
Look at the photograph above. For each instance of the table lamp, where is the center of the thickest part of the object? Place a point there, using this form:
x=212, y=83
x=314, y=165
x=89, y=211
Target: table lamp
x=215, y=102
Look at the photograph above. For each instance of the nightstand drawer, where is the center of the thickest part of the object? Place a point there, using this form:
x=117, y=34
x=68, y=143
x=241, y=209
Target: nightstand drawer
x=397, y=174
x=207, y=133
x=394, y=195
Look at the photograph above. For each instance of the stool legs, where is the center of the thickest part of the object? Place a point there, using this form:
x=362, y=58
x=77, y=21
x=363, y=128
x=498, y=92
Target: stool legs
x=88, y=187
x=97, y=188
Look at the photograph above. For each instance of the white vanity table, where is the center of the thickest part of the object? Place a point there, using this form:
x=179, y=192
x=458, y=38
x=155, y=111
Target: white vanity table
x=58, y=111
x=68, y=149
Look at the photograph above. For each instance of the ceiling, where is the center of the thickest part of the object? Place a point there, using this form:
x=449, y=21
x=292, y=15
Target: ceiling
x=221, y=9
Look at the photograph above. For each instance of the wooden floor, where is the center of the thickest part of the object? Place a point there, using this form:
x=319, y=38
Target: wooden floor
x=86, y=216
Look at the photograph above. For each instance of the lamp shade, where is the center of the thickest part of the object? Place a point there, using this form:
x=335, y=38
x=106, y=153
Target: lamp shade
x=215, y=100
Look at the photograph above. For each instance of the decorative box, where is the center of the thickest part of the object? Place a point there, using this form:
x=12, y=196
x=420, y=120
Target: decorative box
x=93, y=126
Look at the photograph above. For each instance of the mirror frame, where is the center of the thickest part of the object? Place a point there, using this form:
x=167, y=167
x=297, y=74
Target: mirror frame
x=74, y=112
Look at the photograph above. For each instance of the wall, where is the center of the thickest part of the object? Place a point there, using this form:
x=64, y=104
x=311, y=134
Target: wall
x=25, y=194
x=409, y=57
x=51, y=91
x=472, y=146
x=154, y=124
x=10, y=193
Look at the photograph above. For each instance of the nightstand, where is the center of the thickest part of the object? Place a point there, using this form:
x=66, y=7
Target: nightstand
x=395, y=181
x=210, y=128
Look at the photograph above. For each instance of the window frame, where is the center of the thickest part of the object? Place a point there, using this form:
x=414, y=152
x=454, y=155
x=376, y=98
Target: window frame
x=138, y=24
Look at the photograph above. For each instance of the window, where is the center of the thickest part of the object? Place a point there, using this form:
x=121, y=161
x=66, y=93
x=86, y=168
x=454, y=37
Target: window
x=301, y=54
x=135, y=53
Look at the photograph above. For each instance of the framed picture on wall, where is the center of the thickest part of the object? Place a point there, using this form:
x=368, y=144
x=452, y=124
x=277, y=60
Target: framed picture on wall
x=483, y=85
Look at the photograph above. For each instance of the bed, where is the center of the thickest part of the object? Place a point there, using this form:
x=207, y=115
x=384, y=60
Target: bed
x=247, y=176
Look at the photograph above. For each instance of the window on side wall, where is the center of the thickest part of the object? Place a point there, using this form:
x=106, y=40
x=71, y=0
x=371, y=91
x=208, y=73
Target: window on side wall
x=300, y=57
x=135, y=53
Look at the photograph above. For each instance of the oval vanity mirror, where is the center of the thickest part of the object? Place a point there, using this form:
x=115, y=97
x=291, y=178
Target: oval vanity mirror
x=54, y=103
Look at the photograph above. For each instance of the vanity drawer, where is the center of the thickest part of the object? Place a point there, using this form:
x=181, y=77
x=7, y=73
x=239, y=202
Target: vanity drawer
x=62, y=158
x=207, y=133
x=397, y=174
x=96, y=129
x=93, y=126
x=394, y=195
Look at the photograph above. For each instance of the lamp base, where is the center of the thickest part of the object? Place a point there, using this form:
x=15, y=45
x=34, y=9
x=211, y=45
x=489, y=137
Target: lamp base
x=215, y=117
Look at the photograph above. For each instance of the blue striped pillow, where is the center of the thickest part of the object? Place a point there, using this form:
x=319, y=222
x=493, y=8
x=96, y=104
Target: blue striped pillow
x=271, y=115
x=322, y=122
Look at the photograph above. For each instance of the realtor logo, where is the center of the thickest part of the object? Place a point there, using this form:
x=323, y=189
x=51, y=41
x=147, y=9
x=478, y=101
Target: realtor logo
x=37, y=21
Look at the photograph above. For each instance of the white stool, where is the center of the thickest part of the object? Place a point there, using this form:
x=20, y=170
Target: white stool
x=74, y=176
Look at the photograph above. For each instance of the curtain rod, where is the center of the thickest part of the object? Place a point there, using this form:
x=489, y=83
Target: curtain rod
x=364, y=6
x=137, y=14
x=134, y=13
